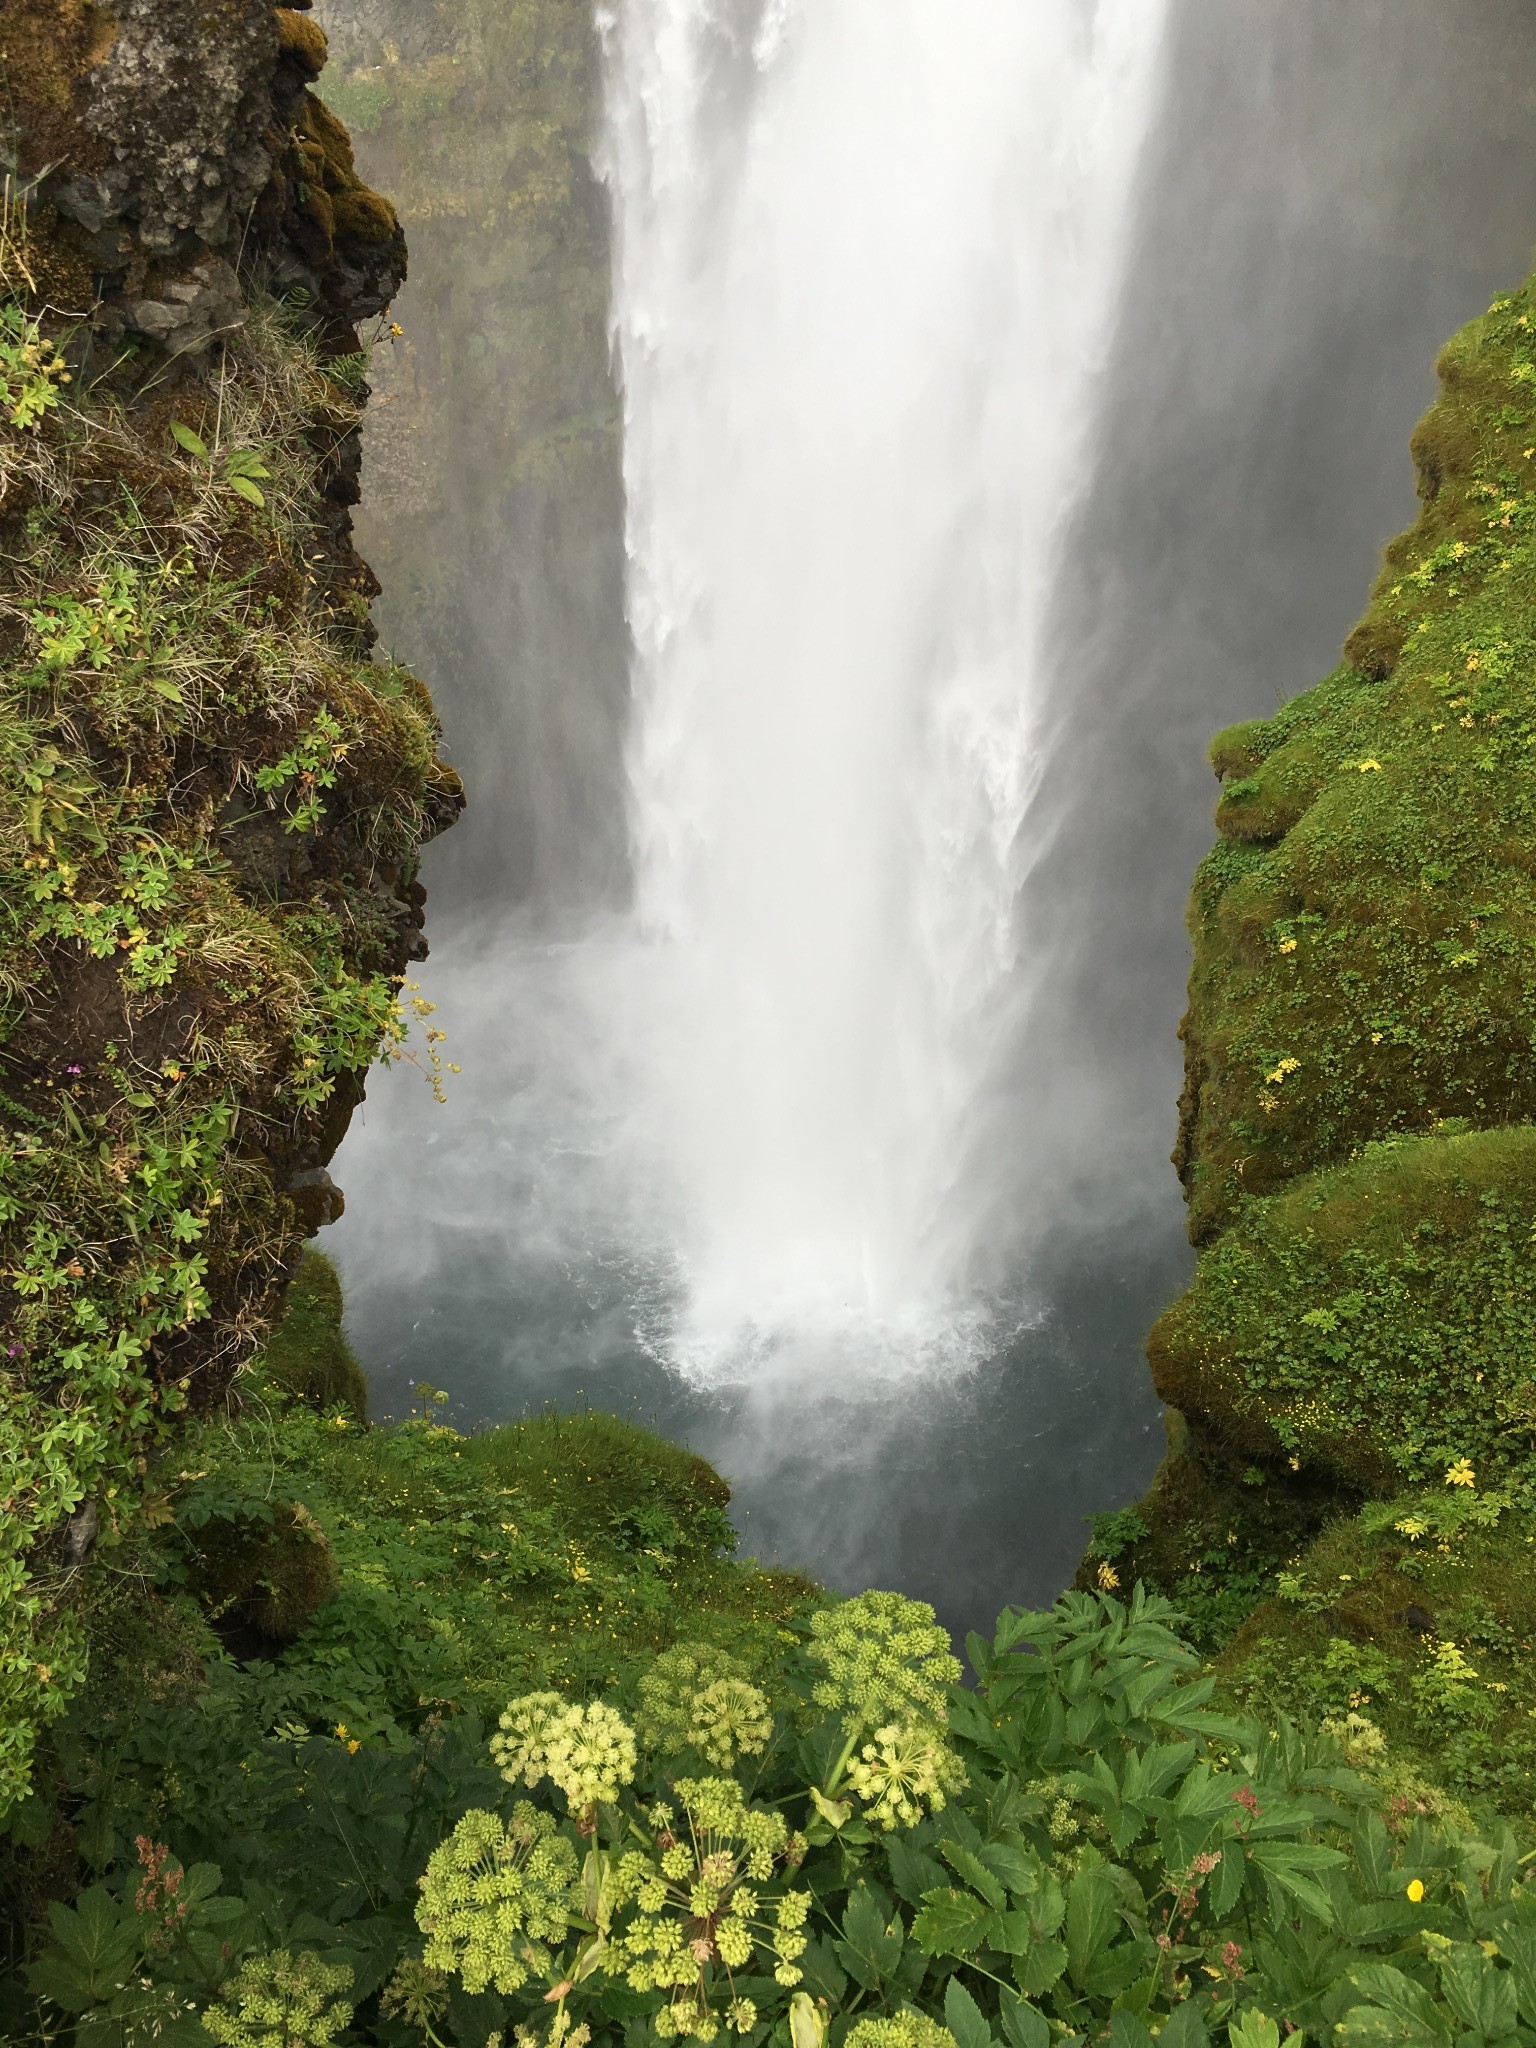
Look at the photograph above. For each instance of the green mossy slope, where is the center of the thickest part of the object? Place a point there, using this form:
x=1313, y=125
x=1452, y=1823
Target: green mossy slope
x=1358, y=1148
x=1365, y=932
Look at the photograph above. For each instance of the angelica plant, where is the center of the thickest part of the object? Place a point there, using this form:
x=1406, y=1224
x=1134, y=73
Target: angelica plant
x=695, y=1696
x=693, y=1907
x=888, y=1669
x=494, y=1896
x=282, y=2001
x=588, y=1751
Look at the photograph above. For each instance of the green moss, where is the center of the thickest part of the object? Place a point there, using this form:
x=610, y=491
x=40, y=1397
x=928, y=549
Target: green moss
x=1385, y=937
x=308, y=1354
x=1366, y=1614
x=1358, y=1145
x=1374, y=1319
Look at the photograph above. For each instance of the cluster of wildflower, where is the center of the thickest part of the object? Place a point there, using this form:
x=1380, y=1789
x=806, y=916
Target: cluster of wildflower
x=493, y=1896
x=886, y=1659
x=905, y=1773
x=696, y=1902
x=695, y=1696
x=588, y=1751
x=1358, y=1736
x=900, y=2030
x=281, y=2001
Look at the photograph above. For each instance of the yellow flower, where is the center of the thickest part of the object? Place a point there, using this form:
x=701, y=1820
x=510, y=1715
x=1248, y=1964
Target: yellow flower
x=1287, y=945
x=1109, y=1578
x=341, y=1731
x=1416, y=1889
x=353, y=1746
x=1460, y=1474
x=1369, y=767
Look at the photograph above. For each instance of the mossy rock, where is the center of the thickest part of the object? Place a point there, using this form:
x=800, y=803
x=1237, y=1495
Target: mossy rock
x=308, y=1354
x=648, y=1495
x=1379, y=930
x=262, y=1581
x=1367, y=1614
x=1374, y=1321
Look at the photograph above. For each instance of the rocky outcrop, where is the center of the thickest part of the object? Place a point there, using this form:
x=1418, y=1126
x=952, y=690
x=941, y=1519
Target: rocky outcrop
x=212, y=795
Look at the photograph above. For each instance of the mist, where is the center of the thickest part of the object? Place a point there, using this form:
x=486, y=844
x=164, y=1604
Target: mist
x=1211, y=393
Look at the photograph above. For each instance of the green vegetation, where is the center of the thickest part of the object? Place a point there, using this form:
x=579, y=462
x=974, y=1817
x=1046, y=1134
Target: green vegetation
x=1349, y=1502
x=855, y=1851
x=211, y=803
x=308, y=1354
x=1364, y=933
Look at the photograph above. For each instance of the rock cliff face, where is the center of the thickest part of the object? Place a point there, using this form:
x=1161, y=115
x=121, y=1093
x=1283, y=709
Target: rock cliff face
x=213, y=793
x=1357, y=1140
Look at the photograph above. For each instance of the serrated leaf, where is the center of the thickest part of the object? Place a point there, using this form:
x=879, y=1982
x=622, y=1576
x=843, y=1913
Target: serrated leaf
x=1184, y=2027
x=1481, y=1995
x=871, y=1947
x=953, y=1923
x=1126, y=2031
x=1019, y=1869
x=821, y=1970
x=1038, y=1967
x=912, y=1873
x=1517, y=1945
x=1405, y=2004
x=972, y=1871
x=96, y=1946
x=1091, y=1918
x=184, y=437
x=1253, y=2029
x=964, y=2017
x=1291, y=1868
x=1024, y=2025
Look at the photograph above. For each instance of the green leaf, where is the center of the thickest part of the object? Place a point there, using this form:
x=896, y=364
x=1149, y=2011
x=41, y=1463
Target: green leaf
x=1289, y=1866
x=1481, y=1995
x=185, y=438
x=912, y=1873
x=953, y=1923
x=1253, y=2029
x=1126, y=2031
x=1387, y=1995
x=1225, y=1886
x=974, y=1873
x=821, y=1971
x=96, y=1946
x=244, y=488
x=1184, y=2027
x=1019, y=1868
x=871, y=1948
x=964, y=2017
x=1024, y=2025
x=164, y=687
x=1518, y=1947
x=1038, y=1967
x=1091, y=1919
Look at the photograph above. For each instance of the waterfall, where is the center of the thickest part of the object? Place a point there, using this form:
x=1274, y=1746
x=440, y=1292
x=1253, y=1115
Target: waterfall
x=867, y=266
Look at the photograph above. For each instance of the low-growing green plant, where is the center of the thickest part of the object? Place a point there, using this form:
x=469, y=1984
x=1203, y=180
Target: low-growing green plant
x=1116, y=1859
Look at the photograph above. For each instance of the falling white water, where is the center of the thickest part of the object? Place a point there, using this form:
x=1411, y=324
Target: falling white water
x=868, y=257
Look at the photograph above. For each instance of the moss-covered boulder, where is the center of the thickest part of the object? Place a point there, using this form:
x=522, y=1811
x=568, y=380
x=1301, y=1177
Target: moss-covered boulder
x=1358, y=1139
x=1377, y=1319
x=1365, y=932
x=308, y=1354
